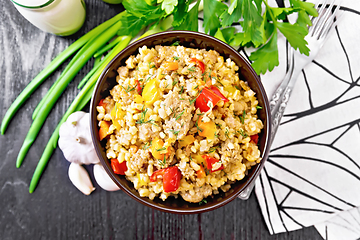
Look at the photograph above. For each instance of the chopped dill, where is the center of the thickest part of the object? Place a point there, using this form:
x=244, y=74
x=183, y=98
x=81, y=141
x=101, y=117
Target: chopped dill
x=143, y=116
x=147, y=145
x=213, y=149
x=162, y=162
x=258, y=107
x=175, y=82
x=202, y=202
x=192, y=69
x=227, y=132
x=174, y=132
x=161, y=149
x=180, y=115
x=176, y=58
x=242, y=133
x=242, y=117
x=128, y=89
x=192, y=101
x=197, y=126
x=175, y=43
x=182, y=90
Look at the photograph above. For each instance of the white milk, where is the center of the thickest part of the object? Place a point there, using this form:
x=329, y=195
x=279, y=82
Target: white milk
x=60, y=17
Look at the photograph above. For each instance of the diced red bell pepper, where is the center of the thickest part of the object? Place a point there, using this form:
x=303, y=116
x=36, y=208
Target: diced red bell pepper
x=217, y=92
x=199, y=63
x=204, y=97
x=157, y=173
x=254, y=138
x=201, y=172
x=212, y=94
x=139, y=89
x=118, y=168
x=102, y=103
x=210, y=161
x=171, y=178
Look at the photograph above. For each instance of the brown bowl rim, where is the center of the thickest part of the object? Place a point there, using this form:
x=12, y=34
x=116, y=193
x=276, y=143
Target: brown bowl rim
x=146, y=201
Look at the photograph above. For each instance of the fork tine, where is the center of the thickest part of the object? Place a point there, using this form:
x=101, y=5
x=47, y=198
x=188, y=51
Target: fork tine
x=330, y=23
x=322, y=16
x=316, y=19
x=323, y=19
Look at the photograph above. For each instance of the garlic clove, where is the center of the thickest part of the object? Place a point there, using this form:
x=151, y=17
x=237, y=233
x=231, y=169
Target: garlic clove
x=103, y=179
x=75, y=139
x=80, y=178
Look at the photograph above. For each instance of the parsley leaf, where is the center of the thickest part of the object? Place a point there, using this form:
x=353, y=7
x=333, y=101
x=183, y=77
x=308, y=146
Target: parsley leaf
x=266, y=57
x=179, y=12
x=169, y=5
x=213, y=9
x=190, y=20
x=295, y=34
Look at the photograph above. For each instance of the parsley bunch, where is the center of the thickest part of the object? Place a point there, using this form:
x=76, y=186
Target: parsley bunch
x=259, y=22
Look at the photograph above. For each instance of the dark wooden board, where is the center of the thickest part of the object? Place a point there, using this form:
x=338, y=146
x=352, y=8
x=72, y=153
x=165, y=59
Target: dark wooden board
x=57, y=210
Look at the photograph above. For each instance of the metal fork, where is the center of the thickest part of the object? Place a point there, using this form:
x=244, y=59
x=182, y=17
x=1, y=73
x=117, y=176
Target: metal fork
x=318, y=32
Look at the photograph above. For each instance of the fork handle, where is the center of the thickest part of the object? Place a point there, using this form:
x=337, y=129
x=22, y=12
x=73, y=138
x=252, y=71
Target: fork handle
x=280, y=98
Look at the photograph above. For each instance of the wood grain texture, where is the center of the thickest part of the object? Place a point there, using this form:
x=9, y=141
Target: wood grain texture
x=57, y=210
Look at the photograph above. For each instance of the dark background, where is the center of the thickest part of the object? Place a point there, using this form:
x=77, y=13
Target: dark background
x=57, y=210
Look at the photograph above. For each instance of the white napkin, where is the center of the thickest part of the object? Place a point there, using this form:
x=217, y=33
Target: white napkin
x=312, y=175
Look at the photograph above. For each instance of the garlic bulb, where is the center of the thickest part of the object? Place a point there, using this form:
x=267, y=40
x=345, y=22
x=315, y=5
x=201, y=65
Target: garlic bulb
x=75, y=139
x=103, y=179
x=80, y=178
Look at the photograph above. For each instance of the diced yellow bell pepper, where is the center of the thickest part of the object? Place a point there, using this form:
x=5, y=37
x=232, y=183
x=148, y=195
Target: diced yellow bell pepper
x=117, y=114
x=138, y=98
x=171, y=66
x=197, y=158
x=206, y=129
x=187, y=140
x=151, y=92
x=158, y=150
x=142, y=180
x=230, y=89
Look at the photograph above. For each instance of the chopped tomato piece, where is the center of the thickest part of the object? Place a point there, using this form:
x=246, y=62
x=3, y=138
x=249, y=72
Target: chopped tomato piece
x=199, y=63
x=213, y=164
x=201, y=172
x=118, y=168
x=206, y=95
x=206, y=129
x=217, y=92
x=254, y=138
x=171, y=66
x=104, y=129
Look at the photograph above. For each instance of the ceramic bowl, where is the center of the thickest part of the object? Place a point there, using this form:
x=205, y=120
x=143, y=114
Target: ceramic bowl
x=193, y=40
